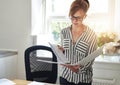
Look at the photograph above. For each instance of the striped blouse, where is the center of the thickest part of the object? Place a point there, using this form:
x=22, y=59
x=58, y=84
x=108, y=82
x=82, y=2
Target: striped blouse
x=85, y=45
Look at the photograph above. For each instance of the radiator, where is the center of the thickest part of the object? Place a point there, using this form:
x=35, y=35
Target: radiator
x=99, y=81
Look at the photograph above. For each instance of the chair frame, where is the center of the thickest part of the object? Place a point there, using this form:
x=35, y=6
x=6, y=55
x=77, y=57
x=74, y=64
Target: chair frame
x=29, y=75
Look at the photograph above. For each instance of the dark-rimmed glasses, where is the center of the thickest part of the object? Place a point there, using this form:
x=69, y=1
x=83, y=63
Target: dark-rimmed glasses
x=78, y=18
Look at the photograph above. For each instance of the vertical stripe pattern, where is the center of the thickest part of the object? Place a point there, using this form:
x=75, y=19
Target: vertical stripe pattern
x=85, y=45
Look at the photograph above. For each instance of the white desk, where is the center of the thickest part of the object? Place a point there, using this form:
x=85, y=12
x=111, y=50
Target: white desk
x=107, y=67
x=7, y=52
x=25, y=82
x=8, y=63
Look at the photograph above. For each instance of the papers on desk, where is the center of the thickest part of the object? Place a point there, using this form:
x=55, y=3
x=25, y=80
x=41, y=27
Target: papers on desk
x=40, y=83
x=36, y=83
x=6, y=82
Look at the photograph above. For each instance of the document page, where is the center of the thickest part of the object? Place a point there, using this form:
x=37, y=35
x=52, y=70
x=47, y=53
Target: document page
x=46, y=61
x=59, y=54
x=91, y=57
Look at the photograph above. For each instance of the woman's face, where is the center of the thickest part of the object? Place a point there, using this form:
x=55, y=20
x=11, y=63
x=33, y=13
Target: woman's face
x=78, y=17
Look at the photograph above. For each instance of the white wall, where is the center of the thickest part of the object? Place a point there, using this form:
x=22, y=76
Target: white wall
x=15, y=25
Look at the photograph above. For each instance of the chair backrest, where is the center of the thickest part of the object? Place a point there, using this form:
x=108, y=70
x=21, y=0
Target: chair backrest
x=40, y=71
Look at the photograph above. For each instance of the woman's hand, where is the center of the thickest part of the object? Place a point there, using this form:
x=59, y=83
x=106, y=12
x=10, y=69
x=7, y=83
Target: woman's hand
x=74, y=68
x=61, y=48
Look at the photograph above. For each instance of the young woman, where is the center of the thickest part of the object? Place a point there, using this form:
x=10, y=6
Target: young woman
x=78, y=41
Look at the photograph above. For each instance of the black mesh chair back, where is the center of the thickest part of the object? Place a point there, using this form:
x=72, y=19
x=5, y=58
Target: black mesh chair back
x=37, y=70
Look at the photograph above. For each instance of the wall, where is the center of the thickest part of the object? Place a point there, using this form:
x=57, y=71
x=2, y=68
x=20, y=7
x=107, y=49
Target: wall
x=15, y=25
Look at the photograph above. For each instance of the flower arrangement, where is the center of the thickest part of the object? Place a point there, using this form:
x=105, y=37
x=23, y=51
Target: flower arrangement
x=106, y=37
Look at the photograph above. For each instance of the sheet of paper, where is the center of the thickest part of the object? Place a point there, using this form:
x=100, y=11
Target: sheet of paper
x=36, y=83
x=91, y=56
x=46, y=61
x=60, y=56
x=6, y=82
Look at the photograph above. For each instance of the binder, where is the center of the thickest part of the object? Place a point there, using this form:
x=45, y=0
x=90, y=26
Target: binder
x=62, y=59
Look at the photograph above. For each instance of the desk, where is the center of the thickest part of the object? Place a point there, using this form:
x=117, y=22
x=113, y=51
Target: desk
x=8, y=64
x=25, y=82
x=21, y=82
x=107, y=68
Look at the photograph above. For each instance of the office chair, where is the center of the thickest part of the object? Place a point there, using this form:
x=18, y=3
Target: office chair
x=37, y=70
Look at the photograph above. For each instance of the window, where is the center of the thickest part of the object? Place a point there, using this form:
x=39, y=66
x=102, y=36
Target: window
x=50, y=16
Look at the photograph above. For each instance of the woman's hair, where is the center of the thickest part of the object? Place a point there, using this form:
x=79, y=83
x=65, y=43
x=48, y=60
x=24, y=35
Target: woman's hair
x=77, y=5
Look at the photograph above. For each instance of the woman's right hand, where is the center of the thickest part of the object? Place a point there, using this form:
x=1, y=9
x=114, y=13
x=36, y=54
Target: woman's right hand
x=61, y=48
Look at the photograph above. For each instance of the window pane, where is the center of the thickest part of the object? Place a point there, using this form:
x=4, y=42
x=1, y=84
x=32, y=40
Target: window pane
x=57, y=7
x=100, y=17
x=98, y=6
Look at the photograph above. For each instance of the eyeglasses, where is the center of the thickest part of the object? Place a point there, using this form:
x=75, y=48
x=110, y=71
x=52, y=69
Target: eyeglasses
x=76, y=18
